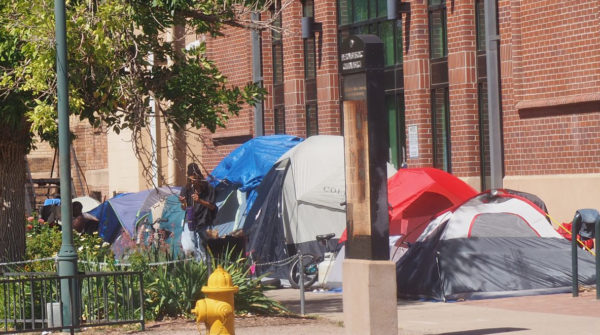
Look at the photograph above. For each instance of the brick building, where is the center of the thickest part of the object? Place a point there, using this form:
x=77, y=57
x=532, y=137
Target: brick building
x=436, y=90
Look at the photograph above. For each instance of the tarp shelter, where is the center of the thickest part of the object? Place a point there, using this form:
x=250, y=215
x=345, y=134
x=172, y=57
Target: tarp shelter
x=493, y=245
x=88, y=203
x=164, y=228
x=239, y=173
x=416, y=195
x=125, y=210
x=50, y=211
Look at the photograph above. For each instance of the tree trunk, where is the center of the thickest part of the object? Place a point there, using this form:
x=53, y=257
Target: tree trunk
x=12, y=194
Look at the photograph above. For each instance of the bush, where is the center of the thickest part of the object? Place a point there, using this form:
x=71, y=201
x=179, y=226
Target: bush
x=170, y=289
x=44, y=240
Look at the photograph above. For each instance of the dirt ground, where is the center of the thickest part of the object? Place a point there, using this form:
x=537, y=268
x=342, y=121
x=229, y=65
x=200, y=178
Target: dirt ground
x=244, y=325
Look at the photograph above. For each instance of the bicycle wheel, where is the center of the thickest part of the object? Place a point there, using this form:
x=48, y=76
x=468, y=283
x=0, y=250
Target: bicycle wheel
x=311, y=271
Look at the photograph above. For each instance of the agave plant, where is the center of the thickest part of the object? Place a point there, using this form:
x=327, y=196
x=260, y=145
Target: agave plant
x=250, y=298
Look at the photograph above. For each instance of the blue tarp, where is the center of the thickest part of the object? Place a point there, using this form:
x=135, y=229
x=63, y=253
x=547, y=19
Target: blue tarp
x=109, y=225
x=50, y=202
x=246, y=166
x=243, y=169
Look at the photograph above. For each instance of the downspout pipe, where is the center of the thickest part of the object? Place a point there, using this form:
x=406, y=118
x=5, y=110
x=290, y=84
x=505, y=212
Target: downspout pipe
x=257, y=77
x=492, y=40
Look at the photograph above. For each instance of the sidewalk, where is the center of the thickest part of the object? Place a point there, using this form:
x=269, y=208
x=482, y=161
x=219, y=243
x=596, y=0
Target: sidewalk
x=544, y=314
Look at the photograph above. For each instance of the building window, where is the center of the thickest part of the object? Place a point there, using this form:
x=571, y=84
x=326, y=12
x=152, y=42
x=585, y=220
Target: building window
x=438, y=39
x=394, y=104
x=482, y=98
x=440, y=102
x=277, y=50
x=440, y=128
x=370, y=17
x=310, y=76
x=279, y=119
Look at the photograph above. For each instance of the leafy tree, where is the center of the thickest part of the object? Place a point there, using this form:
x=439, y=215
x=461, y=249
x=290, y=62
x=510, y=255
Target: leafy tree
x=119, y=58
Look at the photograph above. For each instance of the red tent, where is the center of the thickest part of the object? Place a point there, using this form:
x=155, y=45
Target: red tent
x=416, y=195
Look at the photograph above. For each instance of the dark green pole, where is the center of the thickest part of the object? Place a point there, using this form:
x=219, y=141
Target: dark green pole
x=574, y=268
x=67, y=256
x=597, y=251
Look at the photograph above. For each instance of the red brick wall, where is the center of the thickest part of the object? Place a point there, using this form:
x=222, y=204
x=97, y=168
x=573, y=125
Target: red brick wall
x=416, y=81
x=293, y=70
x=550, y=77
x=233, y=56
x=90, y=153
x=550, y=71
x=328, y=90
x=328, y=94
x=463, y=88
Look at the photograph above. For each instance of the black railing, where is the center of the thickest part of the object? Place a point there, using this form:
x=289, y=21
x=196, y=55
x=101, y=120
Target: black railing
x=31, y=302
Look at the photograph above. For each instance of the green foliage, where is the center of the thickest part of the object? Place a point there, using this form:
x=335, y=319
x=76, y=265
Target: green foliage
x=250, y=298
x=170, y=290
x=111, y=74
x=173, y=289
x=44, y=241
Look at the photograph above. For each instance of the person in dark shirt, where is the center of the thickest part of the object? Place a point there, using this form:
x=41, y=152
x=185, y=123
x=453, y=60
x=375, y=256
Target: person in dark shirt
x=197, y=198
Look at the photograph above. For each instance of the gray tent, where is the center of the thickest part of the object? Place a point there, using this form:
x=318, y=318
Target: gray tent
x=493, y=245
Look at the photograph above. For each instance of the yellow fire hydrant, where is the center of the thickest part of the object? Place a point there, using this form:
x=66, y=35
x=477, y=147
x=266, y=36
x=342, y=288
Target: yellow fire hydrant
x=216, y=310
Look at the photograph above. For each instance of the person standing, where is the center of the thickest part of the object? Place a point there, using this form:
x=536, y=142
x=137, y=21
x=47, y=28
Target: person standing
x=197, y=198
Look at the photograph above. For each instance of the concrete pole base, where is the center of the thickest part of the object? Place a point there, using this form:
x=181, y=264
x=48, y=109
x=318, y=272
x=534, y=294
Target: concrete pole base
x=369, y=293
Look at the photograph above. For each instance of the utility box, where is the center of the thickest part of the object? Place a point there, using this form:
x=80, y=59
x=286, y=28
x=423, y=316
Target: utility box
x=54, y=314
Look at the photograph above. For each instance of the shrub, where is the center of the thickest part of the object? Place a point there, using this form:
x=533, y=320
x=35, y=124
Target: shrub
x=170, y=289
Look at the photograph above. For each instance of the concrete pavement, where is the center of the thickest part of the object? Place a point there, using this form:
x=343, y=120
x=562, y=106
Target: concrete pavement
x=544, y=314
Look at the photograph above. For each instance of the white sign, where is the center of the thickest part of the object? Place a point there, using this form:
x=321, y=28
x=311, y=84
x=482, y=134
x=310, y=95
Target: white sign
x=413, y=141
x=352, y=55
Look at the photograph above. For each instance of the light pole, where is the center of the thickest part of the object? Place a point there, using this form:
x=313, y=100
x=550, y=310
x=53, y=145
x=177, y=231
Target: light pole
x=67, y=256
x=491, y=50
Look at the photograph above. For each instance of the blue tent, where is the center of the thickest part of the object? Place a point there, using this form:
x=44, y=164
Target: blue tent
x=239, y=173
x=125, y=210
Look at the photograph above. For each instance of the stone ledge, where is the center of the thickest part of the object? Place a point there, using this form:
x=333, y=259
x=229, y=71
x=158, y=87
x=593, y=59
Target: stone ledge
x=559, y=101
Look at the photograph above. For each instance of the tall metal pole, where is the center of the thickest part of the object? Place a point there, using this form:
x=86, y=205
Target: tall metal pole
x=257, y=76
x=492, y=40
x=67, y=256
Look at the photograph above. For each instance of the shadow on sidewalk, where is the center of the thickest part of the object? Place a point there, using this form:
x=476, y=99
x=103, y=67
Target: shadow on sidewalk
x=486, y=331
x=321, y=305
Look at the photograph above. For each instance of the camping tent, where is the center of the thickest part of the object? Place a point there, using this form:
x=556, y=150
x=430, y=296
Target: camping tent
x=125, y=210
x=302, y=196
x=495, y=244
x=417, y=195
x=239, y=173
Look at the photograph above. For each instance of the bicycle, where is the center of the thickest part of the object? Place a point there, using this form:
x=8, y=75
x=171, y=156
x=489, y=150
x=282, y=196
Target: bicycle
x=311, y=263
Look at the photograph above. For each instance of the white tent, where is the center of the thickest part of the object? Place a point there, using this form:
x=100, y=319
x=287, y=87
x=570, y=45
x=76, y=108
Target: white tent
x=494, y=245
x=313, y=189
x=301, y=197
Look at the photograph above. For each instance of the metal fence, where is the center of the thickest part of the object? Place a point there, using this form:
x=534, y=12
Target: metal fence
x=31, y=302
